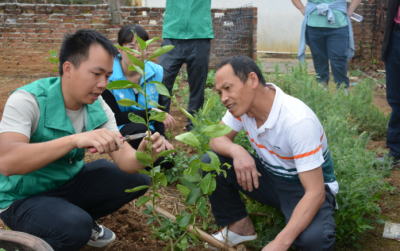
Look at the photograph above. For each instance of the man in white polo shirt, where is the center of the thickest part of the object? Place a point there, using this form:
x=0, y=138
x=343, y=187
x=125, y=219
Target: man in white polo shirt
x=293, y=170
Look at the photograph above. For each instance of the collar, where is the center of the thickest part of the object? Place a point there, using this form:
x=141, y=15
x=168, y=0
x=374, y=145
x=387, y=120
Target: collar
x=275, y=109
x=55, y=108
x=118, y=73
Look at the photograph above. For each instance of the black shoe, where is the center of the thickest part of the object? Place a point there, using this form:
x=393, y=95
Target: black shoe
x=393, y=160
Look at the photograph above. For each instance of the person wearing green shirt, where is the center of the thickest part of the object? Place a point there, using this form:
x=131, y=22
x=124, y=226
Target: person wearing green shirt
x=187, y=26
x=46, y=188
x=328, y=32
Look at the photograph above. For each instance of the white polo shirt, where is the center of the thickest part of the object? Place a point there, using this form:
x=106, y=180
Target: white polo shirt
x=291, y=141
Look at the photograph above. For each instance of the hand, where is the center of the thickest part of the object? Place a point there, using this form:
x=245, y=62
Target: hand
x=169, y=121
x=103, y=140
x=168, y=145
x=350, y=12
x=275, y=246
x=303, y=11
x=158, y=144
x=245, y=168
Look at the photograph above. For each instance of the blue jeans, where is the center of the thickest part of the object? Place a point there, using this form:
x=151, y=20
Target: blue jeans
x=329, y=44
x=392, y=65
x=228, y=207
x=63, y=217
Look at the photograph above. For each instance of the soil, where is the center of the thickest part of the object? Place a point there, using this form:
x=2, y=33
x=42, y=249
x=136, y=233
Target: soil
x=129, y=223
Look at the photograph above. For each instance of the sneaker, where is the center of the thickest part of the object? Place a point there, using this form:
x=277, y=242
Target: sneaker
x=101, y=236
x=393, y=160
x=230, y=238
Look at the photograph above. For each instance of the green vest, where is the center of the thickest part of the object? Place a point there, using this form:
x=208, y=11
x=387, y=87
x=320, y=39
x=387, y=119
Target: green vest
x=188, y=19
x=53, y=124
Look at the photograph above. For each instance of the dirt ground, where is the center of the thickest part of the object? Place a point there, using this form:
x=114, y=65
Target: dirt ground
x=129, y=223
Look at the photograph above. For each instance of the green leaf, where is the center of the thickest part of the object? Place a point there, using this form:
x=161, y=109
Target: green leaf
x=217, y=130
x=123, y=84
x=189, y=116
x=128, y=102
x=161, y=51
x=152, y=40
x=138, y=188
x=53, y=53
x=159, y=116
x=184, y=190
x=144, y=158
x=136, y=119
x=142, y=200
x=142, y=44
x=163, y=180
x=132, y=67
x=205, y=167
x=193, y=195
x=205, y=183
x=184, y=243
x=166, y=152
x=204, y=225
x=193, y=168
x=193, y=237
x=126, y=49
x=210, y=104
x=213, y=186
x=134, y=60
x=215, y=163
x=188, y=138
x=188, y=184
x=155, y=104
x=183, y=221
x=194, y=178
x=150, y=220
x=144, y=172
x=202, y=206
x=161, y=89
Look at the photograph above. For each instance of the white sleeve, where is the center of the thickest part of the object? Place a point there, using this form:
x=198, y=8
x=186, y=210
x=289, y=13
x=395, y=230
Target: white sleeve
x=111, y=124
x=21, y=114
x=235, y=123
x=304, y=140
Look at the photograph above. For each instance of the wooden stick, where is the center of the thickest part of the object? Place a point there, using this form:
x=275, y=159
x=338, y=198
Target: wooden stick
x=203, y=235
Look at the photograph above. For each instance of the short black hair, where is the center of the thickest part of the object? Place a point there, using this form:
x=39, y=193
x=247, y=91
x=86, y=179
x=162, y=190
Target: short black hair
x=242, y=66
x=125, y=34
x=75, y=47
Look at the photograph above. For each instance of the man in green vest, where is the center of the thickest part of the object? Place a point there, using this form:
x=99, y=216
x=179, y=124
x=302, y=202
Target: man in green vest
x=46, y=188
x=187, y=26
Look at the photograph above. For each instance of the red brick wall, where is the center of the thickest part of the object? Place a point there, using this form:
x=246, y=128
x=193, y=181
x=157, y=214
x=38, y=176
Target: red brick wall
x=25, y=44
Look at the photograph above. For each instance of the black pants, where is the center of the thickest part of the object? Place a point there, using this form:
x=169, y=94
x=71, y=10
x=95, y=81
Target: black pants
x=195, y=53
x=228, y=207
x=134, y=128
x=63, y=216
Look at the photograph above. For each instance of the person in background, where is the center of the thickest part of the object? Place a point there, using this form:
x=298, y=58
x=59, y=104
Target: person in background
x=50, y=192
x=154, y=72
x=187, y=26
x=327, y=30
x=391, y=56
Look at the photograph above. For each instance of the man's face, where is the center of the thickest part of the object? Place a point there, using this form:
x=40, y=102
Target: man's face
x=235, y=95
x=90, y=79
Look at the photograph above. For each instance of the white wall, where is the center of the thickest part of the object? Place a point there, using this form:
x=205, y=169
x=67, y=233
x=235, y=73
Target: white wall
x=279, y=22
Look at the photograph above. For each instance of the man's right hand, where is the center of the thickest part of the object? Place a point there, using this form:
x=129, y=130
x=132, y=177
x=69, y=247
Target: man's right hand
x=245, y=168
x=103, y=140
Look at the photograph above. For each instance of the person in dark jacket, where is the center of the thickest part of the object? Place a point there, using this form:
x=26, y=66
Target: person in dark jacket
x=391, y=57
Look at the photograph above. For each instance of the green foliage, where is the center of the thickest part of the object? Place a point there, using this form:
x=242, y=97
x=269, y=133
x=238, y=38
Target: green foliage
x=355, y=73
x=53, y=59
x=210, y=78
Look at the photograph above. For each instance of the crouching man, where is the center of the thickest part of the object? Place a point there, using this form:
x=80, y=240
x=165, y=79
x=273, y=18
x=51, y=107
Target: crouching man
x=46, y=189
x=293, y=170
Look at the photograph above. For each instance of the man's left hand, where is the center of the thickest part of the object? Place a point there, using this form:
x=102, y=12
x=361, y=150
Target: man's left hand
x=350, y=12
x=275, y=246
x=158, y=143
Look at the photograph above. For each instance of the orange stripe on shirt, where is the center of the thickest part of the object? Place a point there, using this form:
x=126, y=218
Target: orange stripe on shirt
x=308, y=154
x=240, y=119
x=323, y=132
x=271, y=152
